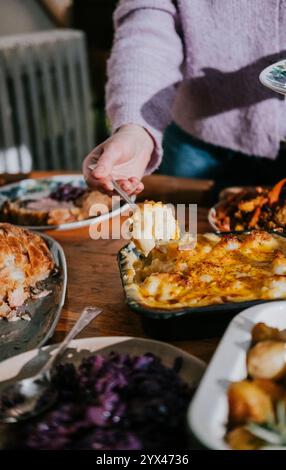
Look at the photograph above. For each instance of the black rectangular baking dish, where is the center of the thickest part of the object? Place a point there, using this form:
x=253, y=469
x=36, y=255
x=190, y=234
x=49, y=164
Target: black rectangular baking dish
x=187, y=322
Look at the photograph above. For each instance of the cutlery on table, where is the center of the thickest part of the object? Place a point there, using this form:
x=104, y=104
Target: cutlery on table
x=28, y=397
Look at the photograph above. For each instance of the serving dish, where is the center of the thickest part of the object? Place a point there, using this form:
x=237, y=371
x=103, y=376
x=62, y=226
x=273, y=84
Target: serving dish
x=207, y=418
x=184, y=322
x=28, y=363
x=42, y=187
x=22, y=335
x=229, y=191
x=274, y=77
x=245, y=208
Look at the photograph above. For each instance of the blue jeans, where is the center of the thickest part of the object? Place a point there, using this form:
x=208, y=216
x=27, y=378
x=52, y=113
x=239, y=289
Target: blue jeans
x=189, y=157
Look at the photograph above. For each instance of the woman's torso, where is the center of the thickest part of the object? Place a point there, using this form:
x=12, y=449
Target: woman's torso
x=227, y=43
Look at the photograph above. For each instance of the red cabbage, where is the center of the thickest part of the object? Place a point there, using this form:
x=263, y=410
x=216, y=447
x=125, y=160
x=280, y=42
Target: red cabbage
x=114, y=403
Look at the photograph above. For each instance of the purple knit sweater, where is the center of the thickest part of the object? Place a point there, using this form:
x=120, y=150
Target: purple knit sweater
x=197, y=62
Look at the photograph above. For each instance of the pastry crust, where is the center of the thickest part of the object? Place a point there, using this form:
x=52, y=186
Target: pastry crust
x=25, y=260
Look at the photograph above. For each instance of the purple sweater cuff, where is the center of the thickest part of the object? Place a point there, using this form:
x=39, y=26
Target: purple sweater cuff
x=144, y=68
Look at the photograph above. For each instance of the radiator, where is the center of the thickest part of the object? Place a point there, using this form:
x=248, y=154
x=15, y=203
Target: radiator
x=45, y=102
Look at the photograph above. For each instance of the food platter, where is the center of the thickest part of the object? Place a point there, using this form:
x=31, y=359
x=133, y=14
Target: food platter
x=22, y=335
x=207, y=418
x=41, y=187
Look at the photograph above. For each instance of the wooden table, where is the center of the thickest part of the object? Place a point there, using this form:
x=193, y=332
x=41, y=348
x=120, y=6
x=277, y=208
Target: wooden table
x=93, y=277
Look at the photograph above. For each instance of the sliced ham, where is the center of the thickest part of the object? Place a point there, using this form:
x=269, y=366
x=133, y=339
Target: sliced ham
x=46, y=204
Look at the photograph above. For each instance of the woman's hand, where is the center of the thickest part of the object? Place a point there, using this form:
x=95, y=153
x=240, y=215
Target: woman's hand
x=124, y=157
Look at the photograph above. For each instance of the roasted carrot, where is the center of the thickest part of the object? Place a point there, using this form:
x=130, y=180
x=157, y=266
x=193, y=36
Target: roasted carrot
x=255, y=217
x=274, y=194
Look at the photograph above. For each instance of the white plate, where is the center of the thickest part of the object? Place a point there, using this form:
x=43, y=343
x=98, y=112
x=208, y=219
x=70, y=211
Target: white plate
x=24, y=187
x=232, y=190
x=212, y=218
x=12, y=366
x=274, y=77
x=193, y=367
x=222, y=195
x=207, y=415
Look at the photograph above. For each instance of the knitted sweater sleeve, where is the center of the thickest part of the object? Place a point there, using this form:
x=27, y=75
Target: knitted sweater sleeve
x=144, y=68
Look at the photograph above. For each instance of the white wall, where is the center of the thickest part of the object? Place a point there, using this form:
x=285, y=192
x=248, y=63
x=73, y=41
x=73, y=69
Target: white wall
x=22, y=16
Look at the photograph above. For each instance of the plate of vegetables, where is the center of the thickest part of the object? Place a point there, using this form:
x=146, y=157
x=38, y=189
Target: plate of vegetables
x=250, y=208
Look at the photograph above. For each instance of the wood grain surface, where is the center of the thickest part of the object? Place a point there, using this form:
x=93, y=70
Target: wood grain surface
x=93, y=276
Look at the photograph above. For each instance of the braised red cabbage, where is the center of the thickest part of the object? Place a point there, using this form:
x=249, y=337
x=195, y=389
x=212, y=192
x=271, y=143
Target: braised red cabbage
x=67, y=192
x=114, y=403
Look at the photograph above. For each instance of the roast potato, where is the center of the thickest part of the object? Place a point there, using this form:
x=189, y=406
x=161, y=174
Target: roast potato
x=275, y=391
x=263, y=332
x=241, y=439
x=267, y=360
x=248, y=402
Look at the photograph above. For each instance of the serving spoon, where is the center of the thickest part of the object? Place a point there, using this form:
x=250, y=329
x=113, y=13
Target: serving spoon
x=28, y=397
x=185, y=246
x=123, y=195
x=118, y=189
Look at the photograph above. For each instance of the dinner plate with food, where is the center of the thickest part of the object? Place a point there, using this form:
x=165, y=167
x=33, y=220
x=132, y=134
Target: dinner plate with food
x=33, y=279
x=183, y=290
x=113, y=393
x=56, y=203
x=274, y=77
x=250, y=208
x=246, y=380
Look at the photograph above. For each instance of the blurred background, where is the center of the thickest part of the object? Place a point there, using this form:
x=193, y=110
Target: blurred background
x=53, y=57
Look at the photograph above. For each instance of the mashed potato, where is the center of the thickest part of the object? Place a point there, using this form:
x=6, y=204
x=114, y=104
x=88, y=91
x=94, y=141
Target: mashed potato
x=152, y=222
